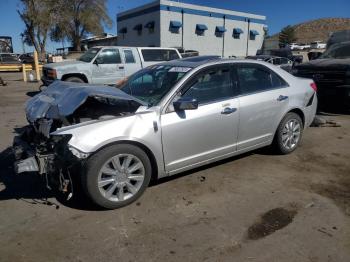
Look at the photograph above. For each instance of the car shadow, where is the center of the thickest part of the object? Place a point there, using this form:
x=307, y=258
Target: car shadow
x=31, y=188
x=201, y=168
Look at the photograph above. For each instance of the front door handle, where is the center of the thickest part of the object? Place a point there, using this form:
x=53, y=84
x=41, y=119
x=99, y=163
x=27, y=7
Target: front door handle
x=282, y=98
x=120, y=67
x=228, y=110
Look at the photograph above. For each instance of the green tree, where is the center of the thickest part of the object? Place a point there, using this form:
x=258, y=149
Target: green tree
x=79, y=18
x=287, y=36
x=38, y=17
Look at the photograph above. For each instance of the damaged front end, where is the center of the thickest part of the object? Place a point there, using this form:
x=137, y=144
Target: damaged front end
x=49, y=157
x=60, y=105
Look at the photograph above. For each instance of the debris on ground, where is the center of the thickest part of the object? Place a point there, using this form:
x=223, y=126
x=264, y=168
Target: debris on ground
x=322, y=122
x=2, y=82
x=202, y=178
x=311, y=204
x=323, y=230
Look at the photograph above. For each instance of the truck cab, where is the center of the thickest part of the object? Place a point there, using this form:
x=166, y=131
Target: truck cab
x=107, y=65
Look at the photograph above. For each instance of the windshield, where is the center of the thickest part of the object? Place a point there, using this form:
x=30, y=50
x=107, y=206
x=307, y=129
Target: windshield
x=152, y=83
x=341, y=51
x=89, y=55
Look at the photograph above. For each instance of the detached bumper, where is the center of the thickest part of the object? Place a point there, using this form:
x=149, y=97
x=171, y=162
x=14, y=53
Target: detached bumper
x=27, y=165
x=27, y=159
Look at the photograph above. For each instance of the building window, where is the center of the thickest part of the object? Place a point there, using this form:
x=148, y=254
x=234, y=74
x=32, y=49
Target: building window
x=150, y=25
x=253, y=34
x=175, y=26
x=220, y=31
x=237, y=33
x=123, y=31
x=138, y=29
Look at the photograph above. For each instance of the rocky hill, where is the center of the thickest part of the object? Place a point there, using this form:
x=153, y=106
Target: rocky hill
x=319, y=29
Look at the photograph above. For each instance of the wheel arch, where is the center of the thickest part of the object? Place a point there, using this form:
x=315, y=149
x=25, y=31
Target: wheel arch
x=295, y=110
x=149, y=153
x=299, y=112
x=79, y=75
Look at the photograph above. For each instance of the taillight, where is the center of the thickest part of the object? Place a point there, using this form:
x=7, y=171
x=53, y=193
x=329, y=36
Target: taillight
x=314, y=86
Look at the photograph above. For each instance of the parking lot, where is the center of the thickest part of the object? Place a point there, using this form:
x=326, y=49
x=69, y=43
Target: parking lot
x=255, y=207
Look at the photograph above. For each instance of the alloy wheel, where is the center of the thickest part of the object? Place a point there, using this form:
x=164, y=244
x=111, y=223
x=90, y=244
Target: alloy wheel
x=121, y=177
x=291, y=134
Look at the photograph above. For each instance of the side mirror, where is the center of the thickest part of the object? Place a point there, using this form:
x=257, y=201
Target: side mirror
x=98, y=61
x=185, y=103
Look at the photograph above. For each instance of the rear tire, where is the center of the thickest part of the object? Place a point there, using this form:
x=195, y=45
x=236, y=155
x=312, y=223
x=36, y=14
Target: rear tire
x=74, y=79
x=117, y=175
x=288, y=134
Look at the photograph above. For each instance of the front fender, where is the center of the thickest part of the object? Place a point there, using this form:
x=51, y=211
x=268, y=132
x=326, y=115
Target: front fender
x=139, y=128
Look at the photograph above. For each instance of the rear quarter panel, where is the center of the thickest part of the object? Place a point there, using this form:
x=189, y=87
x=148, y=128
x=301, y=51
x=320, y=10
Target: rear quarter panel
x=299, y=92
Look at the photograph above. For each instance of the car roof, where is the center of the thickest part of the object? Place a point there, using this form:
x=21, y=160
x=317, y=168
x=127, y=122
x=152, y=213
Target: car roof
x=193, y=61
x=134, y=47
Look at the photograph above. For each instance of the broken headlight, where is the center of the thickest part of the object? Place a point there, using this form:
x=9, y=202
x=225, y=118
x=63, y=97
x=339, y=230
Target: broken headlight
x=76, y=152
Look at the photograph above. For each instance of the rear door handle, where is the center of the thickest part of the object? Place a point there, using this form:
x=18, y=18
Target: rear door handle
x=120, y=67
x=228, y=110
x=282, y=98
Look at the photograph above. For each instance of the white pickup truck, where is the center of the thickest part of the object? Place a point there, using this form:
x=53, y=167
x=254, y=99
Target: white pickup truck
x=107, y=65
x=318, y=45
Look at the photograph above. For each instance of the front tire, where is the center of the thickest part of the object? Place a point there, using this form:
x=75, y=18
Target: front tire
x=117, y=175
x=288, y=134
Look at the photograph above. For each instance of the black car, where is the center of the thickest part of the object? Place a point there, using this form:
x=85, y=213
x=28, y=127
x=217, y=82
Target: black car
x=331, y=73
x=26, y=59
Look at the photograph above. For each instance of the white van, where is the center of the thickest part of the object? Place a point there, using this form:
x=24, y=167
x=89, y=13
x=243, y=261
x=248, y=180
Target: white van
x=107, y=64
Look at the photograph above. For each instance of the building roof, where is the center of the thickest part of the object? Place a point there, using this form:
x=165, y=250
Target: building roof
x=189, y=7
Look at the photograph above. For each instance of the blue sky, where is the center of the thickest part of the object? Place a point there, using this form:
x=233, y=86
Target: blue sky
x=279, y=13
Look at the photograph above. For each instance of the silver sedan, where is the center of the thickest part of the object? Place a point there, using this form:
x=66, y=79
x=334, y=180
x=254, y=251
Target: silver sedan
x=194, y=111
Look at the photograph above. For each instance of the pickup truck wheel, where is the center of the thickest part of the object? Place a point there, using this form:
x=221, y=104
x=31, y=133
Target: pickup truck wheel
x=288, y=134
x=117, y=175
x=74, y=79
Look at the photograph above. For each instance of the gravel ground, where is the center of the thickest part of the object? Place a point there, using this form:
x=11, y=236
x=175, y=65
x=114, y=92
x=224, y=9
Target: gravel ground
x=255, y=207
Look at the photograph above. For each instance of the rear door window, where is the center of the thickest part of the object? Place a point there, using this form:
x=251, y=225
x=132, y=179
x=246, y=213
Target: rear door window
x=129, y=56
x=255, y=78
x=153, y=55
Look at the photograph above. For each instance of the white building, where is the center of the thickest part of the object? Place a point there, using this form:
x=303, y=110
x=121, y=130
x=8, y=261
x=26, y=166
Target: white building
x=211, y=31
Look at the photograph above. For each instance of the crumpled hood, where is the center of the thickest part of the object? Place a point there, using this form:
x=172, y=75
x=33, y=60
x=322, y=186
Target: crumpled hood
x=63, y=98
x=329, y=63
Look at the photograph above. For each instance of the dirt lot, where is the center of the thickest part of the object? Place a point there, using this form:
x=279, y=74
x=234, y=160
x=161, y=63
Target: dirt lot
x=256, y=207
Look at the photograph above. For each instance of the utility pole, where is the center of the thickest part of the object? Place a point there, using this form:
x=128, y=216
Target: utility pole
x=23, y=46
x=248, y=37
x=182, y=30
x=223, y=38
